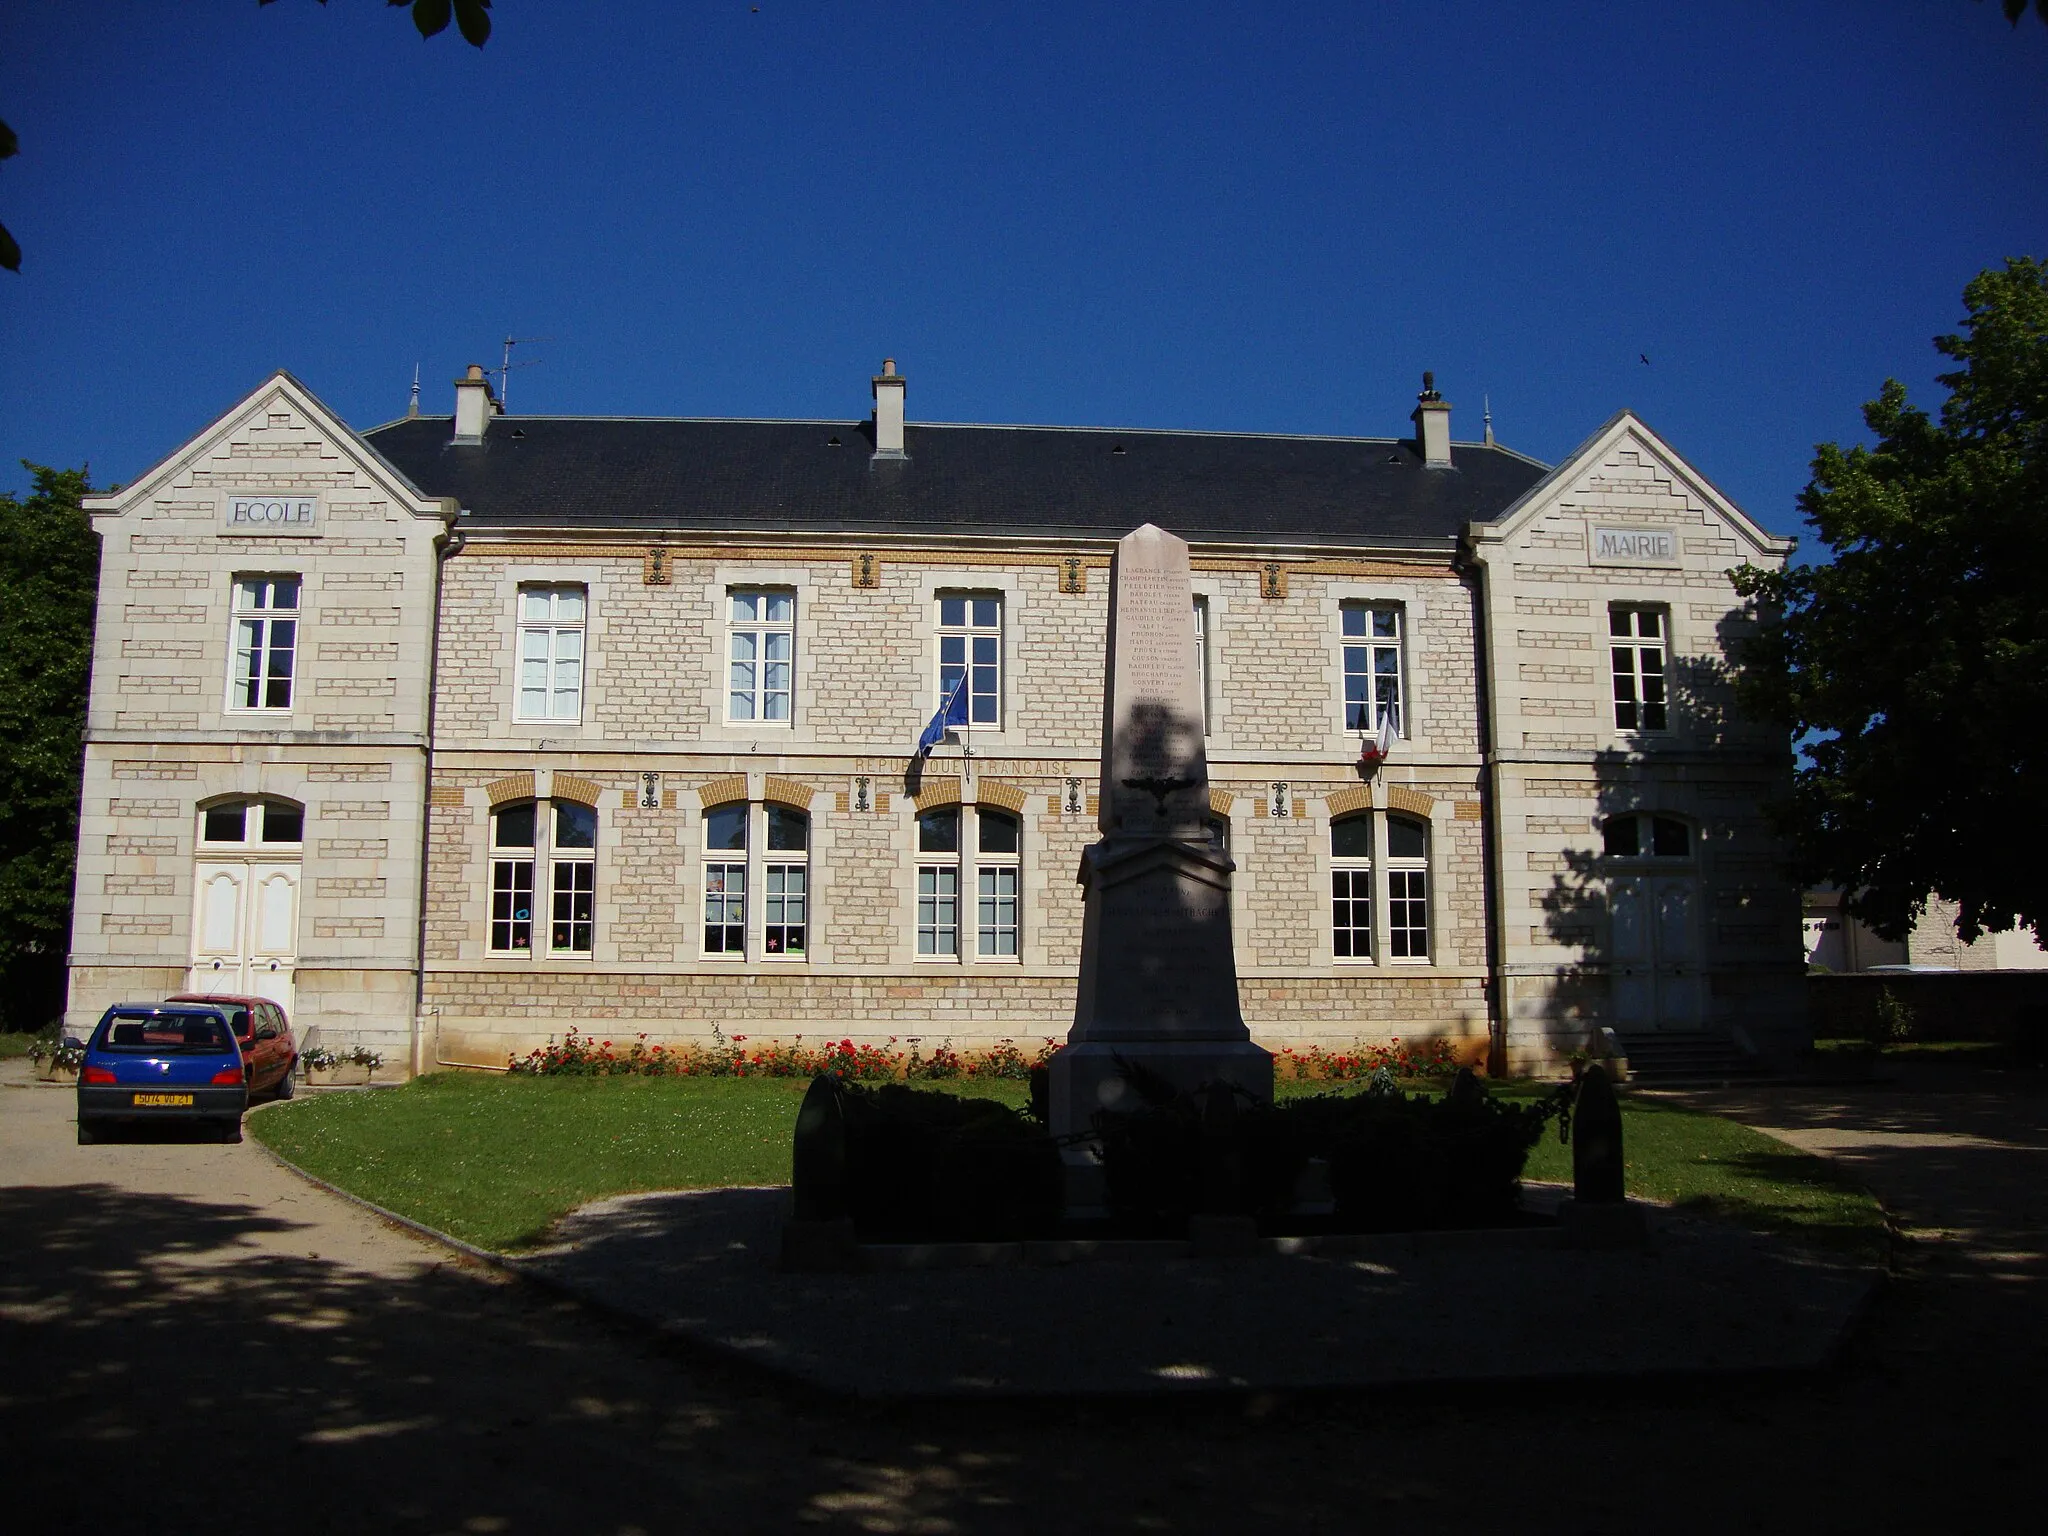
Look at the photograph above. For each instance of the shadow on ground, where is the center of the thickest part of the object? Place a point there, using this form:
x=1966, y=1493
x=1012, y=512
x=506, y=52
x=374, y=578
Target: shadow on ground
x=158, y=1373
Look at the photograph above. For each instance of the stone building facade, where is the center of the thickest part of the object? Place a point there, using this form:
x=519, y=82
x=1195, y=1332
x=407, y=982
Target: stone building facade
x=610, y=724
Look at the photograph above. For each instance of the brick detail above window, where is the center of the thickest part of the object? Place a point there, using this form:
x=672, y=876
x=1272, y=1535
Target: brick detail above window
x=1413, y=801
x=446, y=794
x=722, y=791
x=518, y=787
x=937, y=792
x=1221, y=800
x=787, y=792
x=569, y=786
x=1009, y=796
x=1342, y=802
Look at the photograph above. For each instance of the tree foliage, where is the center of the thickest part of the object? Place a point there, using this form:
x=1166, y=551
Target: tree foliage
x=1917, y=658
x=49, y=576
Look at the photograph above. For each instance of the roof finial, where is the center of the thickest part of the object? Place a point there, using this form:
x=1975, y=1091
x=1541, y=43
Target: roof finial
x=413, y=410
x=1486, y=403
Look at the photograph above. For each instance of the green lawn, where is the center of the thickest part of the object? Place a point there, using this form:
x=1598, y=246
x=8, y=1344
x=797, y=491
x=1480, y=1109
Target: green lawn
x=495, y=1159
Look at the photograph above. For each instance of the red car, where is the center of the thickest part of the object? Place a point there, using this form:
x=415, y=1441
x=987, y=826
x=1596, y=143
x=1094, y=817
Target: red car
x=265, y=1036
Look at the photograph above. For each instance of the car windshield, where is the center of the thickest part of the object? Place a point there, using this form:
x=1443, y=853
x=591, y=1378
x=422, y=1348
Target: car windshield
x=159, y=1034
x=237, y=1013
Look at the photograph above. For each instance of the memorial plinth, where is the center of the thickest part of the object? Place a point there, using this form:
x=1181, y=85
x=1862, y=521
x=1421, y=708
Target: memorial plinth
x=1158, y=985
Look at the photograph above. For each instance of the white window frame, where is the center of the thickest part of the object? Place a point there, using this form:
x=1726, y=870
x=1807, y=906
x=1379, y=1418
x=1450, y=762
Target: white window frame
x=555, y=633
x=720, y=898
x=579, y=867
x=1382, y=636
x=543, y=870
x=1352, y=886
x=258, y=616
x=762, y=636
x=745, y=888
x=1408, y=894
x=506, y=861
x=779, y=865
x=1202, y=655
x=1639, y=657
x=973, y=885
x=971, y=642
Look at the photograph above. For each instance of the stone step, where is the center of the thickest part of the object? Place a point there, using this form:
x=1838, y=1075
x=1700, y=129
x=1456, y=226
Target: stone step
x=1694, y=1056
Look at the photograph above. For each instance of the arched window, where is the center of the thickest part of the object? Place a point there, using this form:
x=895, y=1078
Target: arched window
x=1645, y=835
x=788, y=881
x=765, y=847
x=1351, y=887
x=997, y=846
x=1353, y=897
x=573, y=863
x=1407, y=889
x=977, y=848
x=252, y=820
x=725, y=880
x=512, y=852
x=562, y=834
x=938, y=883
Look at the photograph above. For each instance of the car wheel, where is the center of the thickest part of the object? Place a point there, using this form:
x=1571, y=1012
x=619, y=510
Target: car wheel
x=86, y=1134
x=288, y=1084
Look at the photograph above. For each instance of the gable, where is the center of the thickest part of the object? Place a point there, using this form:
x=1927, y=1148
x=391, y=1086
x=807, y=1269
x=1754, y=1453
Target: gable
x=1625, y=499
x=279, y=462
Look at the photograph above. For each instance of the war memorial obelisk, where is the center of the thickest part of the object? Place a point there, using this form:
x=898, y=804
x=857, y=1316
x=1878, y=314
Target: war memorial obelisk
x=1158, y=982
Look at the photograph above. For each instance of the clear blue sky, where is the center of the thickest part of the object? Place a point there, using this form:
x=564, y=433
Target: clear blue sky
x=1264, y=216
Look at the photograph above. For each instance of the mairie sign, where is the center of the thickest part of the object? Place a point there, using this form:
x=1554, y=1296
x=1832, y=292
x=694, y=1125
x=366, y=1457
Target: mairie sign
x=1634, y=546
x=271, y=514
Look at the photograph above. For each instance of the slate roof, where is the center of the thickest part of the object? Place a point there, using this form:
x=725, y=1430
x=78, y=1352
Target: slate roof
x=641, y=474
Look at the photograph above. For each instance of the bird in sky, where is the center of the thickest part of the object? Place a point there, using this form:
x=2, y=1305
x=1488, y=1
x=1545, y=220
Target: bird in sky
x=1645, y=357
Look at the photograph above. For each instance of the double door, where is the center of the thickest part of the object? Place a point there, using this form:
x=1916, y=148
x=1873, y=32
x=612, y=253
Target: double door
x=245, y=928
x=1656, y=952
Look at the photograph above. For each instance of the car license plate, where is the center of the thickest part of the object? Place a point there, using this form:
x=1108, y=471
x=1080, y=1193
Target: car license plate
x=163, y=1101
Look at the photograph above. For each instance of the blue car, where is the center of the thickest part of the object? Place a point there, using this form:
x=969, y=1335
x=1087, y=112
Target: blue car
x=162, y=1062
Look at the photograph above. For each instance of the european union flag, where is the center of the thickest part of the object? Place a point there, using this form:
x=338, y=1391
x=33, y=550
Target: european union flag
x=951, y=713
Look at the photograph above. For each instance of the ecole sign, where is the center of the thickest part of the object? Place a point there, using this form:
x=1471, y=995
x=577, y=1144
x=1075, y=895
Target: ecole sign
x=1632, y=546
x=270, y=514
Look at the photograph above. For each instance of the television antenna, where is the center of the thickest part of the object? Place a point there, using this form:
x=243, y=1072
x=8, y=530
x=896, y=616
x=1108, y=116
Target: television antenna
x=504, y=369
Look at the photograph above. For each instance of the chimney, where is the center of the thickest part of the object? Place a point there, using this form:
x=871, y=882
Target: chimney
x=475, y=405
x=1432, y=418
x=889, y=412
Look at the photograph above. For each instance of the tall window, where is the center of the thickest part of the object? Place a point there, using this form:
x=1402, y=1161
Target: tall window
x=1636, y=638
x=551, y=623
x=573, y=869
x=1351, y=887
x=1407, y=889
x=569, y=854
x=1352, y=895
x=271, y=822
x=938, y=883
x=512, y=855
x=786, y=890
x=996, y=871
x=1372, y=666
x=725, y=880
x=974, y=849
x=761, y=655
x=971, y=642
x=266, y=618
x=1202, y=657
x=765, y=849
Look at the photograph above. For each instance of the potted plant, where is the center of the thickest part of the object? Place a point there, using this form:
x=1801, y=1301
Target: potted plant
x=320, y=1066
x=55, y=1056
x=362, y=1056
